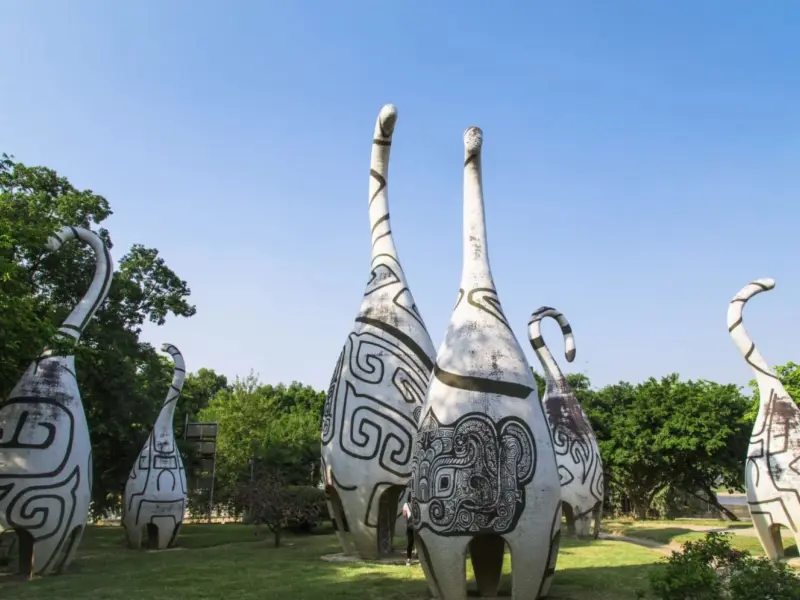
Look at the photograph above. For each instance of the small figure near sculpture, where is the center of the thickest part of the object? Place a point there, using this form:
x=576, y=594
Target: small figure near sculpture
x=409, y=530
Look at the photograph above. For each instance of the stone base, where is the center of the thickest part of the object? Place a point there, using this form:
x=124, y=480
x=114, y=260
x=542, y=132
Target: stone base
x=394, y=559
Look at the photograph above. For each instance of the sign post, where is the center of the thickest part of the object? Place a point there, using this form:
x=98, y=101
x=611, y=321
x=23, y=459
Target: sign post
x=204, y=435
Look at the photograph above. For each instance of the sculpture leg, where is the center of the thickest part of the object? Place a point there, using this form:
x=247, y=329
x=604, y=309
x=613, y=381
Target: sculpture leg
x=486, y=554
x=533, y=562
x=336, y=511
x=444, y=560
x=70, y=548
x=598, y=517
x=164, y=535
x=532, y=566
x=175, y=532
x=165, y=530
x=134, y=535
x=569, y=517
x=426, y=569
x=43, y=556
x=762, y=522
x=365, y=539
x=582, y=523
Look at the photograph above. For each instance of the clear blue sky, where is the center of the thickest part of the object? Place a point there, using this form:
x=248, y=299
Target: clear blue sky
x=641, y=164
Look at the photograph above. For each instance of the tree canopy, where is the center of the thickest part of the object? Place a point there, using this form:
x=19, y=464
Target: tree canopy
x=276, y=425
x=123, y=381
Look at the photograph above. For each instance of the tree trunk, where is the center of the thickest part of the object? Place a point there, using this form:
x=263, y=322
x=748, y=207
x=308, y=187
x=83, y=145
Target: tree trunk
x=712, y=499
x=640, y=506
x=277, y=537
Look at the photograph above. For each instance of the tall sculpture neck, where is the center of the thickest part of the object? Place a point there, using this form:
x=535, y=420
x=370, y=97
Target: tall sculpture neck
x=476, y=270
x=551, y=369
x=380, y=225
x=75, y=323
x=165, y=417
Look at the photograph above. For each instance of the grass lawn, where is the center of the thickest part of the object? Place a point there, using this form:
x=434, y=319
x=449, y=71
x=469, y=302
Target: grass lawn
x=234, y=561
x=671, y=532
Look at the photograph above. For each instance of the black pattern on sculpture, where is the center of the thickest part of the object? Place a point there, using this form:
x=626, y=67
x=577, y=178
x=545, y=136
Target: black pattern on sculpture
x=155, y=493
x=472, y=474
x=375, y=395
x=45, y=450
x=580, y=468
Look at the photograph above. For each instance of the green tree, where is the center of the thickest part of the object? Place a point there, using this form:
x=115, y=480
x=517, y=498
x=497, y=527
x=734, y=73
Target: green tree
x=789, y=375
x=276, y=425
x=123, y=381
x=578, y=382
x=661, y=433
x=198, y=390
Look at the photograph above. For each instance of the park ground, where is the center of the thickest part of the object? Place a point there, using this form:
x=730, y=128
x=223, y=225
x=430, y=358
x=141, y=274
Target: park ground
x=239, y=561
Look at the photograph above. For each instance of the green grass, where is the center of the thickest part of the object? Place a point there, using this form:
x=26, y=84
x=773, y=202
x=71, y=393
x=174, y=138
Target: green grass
x=671, y=532
x=719, y=524
x=236, y=561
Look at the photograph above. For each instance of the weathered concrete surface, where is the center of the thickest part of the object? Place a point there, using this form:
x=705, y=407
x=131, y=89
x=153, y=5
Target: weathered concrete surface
x=155, y=493
x=45, y=450
x=378, y=385
x=484, y=473
x=580, y=468
x=772, y=470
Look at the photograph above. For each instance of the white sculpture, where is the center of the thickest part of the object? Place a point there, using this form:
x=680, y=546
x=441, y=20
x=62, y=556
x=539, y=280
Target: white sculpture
x=772, y=471
x=484, y=472
x=155, y=494
x=45, y=451
x=580, y=468
x=376, y=392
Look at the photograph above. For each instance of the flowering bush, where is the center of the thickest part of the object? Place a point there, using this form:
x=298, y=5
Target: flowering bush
x=711, y=569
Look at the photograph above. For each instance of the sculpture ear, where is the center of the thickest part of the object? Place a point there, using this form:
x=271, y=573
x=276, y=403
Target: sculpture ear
x=517, y=442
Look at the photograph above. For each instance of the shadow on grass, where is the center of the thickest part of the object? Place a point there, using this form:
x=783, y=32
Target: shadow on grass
x=250, y=569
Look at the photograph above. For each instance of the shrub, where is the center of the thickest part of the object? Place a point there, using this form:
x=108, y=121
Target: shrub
x=316, y=508
x=711, y=569
x=760, y=579
x=271, y=502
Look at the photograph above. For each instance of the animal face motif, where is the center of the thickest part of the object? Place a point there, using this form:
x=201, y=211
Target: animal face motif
x=470, y=476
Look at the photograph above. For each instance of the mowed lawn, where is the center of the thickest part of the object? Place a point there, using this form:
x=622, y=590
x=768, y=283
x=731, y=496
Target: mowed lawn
x=234, y=561
x=679, y=531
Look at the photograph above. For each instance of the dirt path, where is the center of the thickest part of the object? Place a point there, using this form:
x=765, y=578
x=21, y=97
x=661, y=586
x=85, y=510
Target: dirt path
x=667, y=549
x=653, y=545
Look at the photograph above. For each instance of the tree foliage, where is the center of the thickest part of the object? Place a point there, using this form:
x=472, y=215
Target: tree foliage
x=123, y=381
x=789, y=375
x=269, y=501
x=278, y=426
x=666, y=434
x=660, y=433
